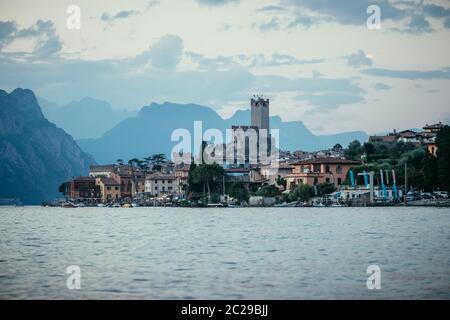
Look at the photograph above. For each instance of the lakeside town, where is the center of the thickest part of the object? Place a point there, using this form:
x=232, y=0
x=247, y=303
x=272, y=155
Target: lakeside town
x=398, y=168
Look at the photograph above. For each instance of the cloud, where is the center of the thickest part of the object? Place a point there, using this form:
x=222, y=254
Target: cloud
x=413, y=16
x=47, y=48
x=436, y=11
x=409, y=74
x=242, y=60
x=447, y=23
x=358, y=59
x=48, y=43
x=278, y=59
x=271, y=8
x=7, y=31
x=166, y=52
x=416, y=24
x=271, y=25
x=329, y=101
x=129, y=83
x=217, y=3
x=304, y=21
x=381, y=86
x=119, y=15
x=346, y=11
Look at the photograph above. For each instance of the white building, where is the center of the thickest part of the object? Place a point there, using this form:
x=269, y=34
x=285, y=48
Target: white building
x=159, y=184
x=102, y=170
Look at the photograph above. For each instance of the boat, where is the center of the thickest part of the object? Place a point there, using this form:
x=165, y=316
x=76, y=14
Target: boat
x=338, y=205
x=287, y=205
x=68, y=205
x=216, y=205
x=126, y=205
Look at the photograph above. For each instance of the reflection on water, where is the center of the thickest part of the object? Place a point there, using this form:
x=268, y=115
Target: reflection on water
x=272, y=253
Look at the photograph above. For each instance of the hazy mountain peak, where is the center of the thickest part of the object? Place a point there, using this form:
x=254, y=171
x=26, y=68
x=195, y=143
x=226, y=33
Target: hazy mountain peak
x=25, y=101
x=86, y=118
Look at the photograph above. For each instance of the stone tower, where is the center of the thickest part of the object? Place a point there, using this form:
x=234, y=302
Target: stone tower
x=260, y=113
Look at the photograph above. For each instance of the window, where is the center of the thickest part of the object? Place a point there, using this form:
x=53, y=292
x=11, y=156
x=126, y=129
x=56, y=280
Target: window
x=156, y=187
x=338, y=169
x=316, y=181
x=339, y=181
x=316, y=168
x=116, y=188
x=169, y=188
x=327, y=180
x=327, y=168
x=163, y=188
x=108, y=188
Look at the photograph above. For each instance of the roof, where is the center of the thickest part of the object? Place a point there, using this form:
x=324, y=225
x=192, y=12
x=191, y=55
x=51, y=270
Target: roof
x=83, y=179
x=105, y=167
x=326, y=160
x=236, y=170
x=279, y=166
x=433, y=126
x=387, y=138
x=109, y=182
x=407, y=133
x=185, y=168
x=159, y=176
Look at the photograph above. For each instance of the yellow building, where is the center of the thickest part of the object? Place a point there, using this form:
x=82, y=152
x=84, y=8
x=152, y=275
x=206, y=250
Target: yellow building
x=109, y=189
x=319, y=170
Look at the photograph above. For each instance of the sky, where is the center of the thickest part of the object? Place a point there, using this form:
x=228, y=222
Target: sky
x=316, y=60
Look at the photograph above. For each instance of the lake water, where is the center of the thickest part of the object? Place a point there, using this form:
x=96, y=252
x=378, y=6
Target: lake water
x=254, y=253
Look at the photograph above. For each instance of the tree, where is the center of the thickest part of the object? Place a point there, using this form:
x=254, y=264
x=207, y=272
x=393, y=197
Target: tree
x=337, y=147
x=443, y=157
x=268, y=191
x=430, y=172
x=368, y=148
x=119, y=162
x=63, y=188
x=157, y=160
x=133, y=162
x=300, y=192
x=239, y=192
x=325, y=188
x=208, y=175
x=281, y=182
x=354, y=150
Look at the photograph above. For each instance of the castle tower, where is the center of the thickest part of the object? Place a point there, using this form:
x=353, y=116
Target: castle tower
x=260, y=113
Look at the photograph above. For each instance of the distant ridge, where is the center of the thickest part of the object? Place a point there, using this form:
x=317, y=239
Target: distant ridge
x=150, y=130
x=86, y=118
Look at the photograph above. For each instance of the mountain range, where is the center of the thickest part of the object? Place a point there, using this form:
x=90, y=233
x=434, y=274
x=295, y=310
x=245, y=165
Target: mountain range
x=150, y=131
x=86, y=118
x=35, y=155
